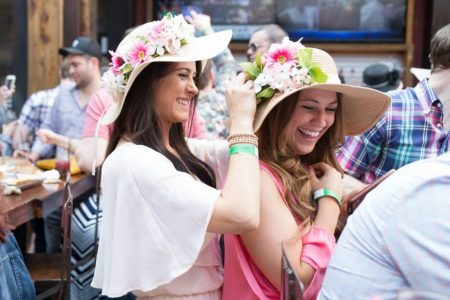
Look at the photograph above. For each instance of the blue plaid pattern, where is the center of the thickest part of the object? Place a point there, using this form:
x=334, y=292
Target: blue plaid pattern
x=36, y=108
x=66, y=117
x=410, y=130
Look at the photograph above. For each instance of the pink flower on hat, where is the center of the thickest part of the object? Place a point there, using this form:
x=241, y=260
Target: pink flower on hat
x=145, y=43
x=139, y=53
x=279, y=54
x=285, y=67
x=116, y=62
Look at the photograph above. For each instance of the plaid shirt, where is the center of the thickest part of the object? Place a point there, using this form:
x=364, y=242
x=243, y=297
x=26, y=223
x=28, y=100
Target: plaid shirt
x=36, y=108
x=212, y=105
x=410, y=130
x=66, y=117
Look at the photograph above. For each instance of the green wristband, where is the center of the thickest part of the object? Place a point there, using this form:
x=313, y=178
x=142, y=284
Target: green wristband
x=243, y=149
x=327, y=193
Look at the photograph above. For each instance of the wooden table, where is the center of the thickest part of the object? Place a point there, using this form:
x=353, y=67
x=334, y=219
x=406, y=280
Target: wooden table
x=39, y=201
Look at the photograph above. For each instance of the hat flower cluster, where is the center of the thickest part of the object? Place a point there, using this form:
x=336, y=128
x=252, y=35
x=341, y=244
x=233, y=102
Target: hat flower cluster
x=283, y=68
x=165, y=36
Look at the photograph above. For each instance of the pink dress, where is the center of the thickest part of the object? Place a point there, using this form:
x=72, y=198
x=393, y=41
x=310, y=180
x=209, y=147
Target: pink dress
x=243, y=280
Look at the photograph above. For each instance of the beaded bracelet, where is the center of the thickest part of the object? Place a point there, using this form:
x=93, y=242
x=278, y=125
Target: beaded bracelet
x=327, y=193
x=242, y=138
x=243, y=149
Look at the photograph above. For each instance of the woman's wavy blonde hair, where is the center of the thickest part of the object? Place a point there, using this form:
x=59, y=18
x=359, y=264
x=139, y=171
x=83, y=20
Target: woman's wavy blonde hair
x=291, y=168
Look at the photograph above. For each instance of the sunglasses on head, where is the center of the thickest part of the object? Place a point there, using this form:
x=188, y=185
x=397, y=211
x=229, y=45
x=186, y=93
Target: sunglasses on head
x=254, y=47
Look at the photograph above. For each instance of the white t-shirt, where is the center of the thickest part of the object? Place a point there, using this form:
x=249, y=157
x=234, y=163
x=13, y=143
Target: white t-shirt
x=153, y=237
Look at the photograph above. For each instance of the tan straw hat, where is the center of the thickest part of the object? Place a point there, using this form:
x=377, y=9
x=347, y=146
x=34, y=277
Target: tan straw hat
x=168, y=40
x=290, y=67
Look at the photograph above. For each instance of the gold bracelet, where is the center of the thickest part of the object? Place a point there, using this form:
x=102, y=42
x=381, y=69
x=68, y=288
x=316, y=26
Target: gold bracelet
x=242, y=138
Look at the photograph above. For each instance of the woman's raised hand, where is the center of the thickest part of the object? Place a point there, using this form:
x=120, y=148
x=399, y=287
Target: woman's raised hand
x=241, y=102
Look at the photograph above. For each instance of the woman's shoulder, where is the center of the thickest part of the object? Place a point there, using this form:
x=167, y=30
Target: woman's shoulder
x=129, y=154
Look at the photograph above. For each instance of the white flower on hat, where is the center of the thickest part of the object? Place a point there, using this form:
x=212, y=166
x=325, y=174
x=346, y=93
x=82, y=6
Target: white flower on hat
x=285, y=67
x=114, y=81
x=165, y=36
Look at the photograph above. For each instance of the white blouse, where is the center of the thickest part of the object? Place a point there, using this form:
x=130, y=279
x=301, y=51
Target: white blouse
x=153, y=239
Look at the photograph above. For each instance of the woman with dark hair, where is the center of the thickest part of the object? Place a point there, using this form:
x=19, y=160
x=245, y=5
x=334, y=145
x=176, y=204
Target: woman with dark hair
x=161, y=210
x=301, y=119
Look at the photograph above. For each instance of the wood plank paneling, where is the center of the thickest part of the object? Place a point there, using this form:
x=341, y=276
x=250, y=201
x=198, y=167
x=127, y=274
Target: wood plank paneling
x=45, y=32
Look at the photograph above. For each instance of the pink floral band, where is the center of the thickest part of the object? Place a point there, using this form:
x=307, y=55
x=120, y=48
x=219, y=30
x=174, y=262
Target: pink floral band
x=160, y=37
x=284, y=68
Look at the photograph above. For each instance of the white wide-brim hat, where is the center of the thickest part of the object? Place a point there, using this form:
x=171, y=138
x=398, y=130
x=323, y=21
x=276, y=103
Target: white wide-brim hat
x=197, y=49
x=361, y=107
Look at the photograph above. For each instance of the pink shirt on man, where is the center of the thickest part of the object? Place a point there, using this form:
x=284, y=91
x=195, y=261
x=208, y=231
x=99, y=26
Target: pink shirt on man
x=101, y=101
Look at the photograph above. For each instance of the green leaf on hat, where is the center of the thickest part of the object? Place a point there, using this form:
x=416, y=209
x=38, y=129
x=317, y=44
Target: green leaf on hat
x=258, y=61
x=266, y=93
x=127, y=68
x=317, y=74
x=250, y=69
x=305, y=57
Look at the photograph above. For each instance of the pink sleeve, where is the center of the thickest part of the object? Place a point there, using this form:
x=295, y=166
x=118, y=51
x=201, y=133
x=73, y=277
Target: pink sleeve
x=318, y=244
x=198, y=127
x=99, y=103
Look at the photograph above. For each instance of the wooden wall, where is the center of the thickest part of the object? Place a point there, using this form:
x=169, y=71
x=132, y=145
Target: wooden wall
x=45, y=33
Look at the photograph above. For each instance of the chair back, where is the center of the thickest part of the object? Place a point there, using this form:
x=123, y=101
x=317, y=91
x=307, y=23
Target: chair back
x=66, y=224
x=291, y=286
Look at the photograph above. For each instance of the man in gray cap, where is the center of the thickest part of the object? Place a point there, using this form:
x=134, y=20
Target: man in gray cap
x=68, y=112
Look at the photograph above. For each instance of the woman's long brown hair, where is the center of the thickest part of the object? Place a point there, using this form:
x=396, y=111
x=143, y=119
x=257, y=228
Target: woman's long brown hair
x=291, y=168
x=139, y=121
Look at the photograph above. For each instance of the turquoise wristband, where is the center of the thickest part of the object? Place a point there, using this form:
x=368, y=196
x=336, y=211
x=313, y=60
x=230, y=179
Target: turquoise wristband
x=244, y=149
x=327, y=193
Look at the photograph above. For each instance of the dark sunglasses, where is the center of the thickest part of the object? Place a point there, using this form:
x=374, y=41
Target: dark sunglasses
x=253, y=47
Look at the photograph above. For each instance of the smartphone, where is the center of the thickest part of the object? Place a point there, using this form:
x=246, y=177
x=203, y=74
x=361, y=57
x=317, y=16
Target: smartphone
x=10, y=81
x=356, y=200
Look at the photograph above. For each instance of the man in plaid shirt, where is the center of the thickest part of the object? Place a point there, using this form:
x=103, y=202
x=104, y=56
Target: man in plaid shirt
x=415, y=127
x=35, y=111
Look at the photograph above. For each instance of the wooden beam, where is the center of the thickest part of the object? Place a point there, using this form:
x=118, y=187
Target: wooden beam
x=45, y=37
x=88, y=18
x=19, y=52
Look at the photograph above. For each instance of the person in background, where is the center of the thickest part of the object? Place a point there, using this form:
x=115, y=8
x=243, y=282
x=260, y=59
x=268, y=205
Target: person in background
x=381, y=77
x=15, y=281
x=301, y=119
x=7, y=123
x=67, y=118
x=212, y=83
x=416, y=125
x=398, y=240
x=161, y=210
x=262, y=38
x=34, y=112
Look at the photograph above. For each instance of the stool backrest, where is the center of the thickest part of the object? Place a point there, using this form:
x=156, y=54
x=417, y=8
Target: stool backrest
x=291, y=286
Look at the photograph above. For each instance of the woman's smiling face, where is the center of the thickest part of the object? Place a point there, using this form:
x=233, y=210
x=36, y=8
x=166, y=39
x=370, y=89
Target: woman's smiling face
x=313, y=115
x=174, y=92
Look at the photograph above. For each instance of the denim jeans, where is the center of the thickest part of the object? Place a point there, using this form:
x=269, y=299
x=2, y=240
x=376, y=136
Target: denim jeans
x=15, y=281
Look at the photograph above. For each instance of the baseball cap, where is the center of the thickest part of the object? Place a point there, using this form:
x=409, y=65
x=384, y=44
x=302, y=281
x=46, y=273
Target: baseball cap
x=83, y=45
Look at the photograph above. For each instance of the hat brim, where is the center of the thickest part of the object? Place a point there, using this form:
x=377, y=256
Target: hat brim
x=361, y=107
x=421, y=73
x=198, y=49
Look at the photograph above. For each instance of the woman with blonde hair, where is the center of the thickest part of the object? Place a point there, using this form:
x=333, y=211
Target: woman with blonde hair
x=302, y=116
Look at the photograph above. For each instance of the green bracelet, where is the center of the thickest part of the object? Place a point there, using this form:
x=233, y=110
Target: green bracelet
x=244, y=149
x=327, y=193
